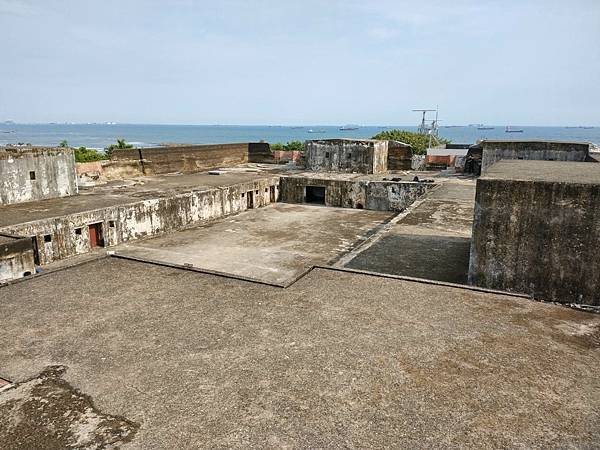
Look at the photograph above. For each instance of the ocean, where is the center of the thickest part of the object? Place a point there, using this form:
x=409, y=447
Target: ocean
x=99, y=136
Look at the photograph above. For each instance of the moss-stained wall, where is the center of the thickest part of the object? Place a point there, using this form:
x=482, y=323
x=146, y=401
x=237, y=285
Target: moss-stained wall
x=538, y=238
x=346, y=155
x=65, y=236
x=373, y=195
x=194, y=158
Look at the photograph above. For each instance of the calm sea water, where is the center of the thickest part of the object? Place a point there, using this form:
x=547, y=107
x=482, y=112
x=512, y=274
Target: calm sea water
x=99, y=136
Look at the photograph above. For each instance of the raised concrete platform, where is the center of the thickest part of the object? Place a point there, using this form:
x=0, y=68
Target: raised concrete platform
x=175, y=359
x=274, y=244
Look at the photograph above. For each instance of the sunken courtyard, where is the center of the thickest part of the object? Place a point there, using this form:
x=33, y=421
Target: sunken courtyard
x=353, y=296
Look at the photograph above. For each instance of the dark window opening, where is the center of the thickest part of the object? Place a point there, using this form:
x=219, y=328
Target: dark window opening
x=78, y=231
x=326, y=154
x=47, y=238
x=266, y=190
x=32, y=175
x=256, y=192
x=550, y=159
x=349, y=155
x=250, y=200
x=26, y=274
x=520, y=157
x=315, y=194
x=272, y=196
x=111, y=223
x=359, y=206
x=243, y=194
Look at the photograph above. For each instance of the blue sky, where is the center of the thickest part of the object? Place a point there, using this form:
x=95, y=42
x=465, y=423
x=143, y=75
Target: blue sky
x=300, y=62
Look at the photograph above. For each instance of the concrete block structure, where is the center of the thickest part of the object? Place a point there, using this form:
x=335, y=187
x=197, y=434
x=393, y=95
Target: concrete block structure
x=399, y=156
x=495, y=150
x=36, y=173
x=377, y=195
x=347, y=155
x=16, y=257
x=536, y=230
x=187, y=158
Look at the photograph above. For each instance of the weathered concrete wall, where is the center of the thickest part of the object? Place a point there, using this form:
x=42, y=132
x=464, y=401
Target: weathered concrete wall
x=399, y=156
x=373, y=195
x=346, y=155
x=16, y=257
x=194, y=158
x=110, y=170
x=532, y=150
x=537, y=238
x=35, y=173
x=65, y=236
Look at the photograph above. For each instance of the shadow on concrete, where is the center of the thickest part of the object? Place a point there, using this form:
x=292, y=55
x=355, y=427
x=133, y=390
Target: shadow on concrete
x=440, y=258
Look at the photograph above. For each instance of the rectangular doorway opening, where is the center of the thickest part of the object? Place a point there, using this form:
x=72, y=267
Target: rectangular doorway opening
x=96, y=235
x=315, y=194
x=250, y=199
x=272, y=194
x=36, y=250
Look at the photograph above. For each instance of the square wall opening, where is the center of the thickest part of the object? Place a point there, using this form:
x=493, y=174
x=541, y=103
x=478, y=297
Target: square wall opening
x=315, y=195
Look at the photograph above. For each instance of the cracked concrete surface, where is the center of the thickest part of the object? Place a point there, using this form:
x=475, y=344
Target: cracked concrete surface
x=336, y=360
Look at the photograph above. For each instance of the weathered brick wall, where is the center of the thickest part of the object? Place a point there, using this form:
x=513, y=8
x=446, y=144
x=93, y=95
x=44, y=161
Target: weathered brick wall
x=399, y=156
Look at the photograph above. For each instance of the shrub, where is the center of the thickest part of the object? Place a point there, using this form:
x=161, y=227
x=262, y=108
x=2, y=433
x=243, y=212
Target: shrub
x=121, y=144
x=83, y=154
x=418, y=142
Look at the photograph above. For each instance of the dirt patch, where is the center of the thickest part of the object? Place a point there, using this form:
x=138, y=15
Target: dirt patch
x=47, y=412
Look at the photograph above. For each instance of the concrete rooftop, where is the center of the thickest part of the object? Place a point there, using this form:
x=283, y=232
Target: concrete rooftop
x=544, y=171
x=122, y=192
x=145, y=356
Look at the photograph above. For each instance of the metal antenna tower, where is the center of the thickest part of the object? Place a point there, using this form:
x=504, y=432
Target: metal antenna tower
x=428, y=127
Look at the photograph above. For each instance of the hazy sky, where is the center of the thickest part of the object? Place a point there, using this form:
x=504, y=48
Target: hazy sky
x=523, y=62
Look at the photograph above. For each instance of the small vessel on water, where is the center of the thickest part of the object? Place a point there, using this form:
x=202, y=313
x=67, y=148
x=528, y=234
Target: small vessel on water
x=485, y=128
x=349, y=127
x=513, y=130
x=315, y=131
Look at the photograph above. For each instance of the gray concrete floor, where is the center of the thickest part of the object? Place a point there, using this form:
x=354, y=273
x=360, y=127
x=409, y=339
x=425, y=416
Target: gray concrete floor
x=274, y=244
x=432, y=241
x=186, y=360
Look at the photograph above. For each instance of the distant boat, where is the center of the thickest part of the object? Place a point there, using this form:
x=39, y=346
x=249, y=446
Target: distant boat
x=513, y=130
x=296, y=128
x=315, y=131
x=485, y=128
x=349, y=127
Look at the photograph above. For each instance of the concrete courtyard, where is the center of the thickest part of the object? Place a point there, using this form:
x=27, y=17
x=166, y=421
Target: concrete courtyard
x=274, y=244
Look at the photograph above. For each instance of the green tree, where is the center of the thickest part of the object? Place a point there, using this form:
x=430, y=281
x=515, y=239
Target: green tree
x=418, y=142
x=121, y=144
x=63, y=144
x=83, y=154
x=294, y=146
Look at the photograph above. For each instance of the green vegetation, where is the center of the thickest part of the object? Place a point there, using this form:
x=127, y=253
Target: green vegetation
x=121, y=144
x=418, y=142
x=291, y=146
x=83, y=154
x=63, y=144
